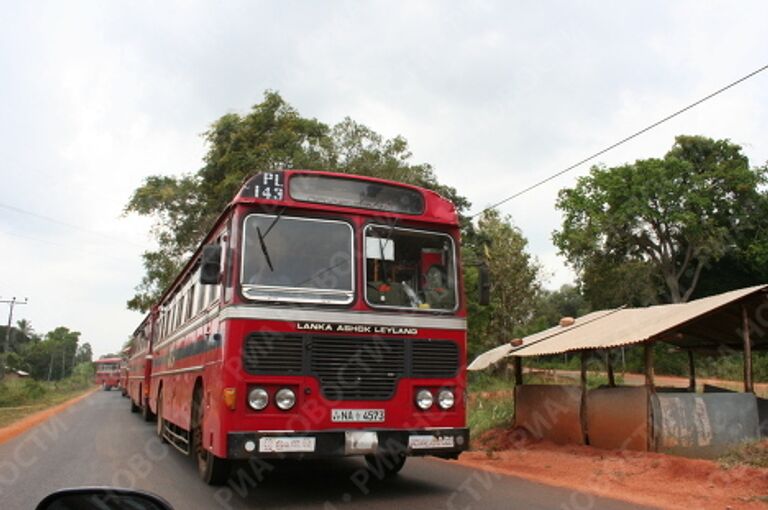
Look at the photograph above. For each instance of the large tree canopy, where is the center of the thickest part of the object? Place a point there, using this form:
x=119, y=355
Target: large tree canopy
x=271, y=136
x=658, y=223
x=515, y=282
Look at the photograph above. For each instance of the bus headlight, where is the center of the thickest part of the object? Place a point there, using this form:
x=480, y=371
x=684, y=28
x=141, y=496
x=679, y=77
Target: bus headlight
x=424, y=399
x=446, y=399
x=285, y=399
x=258, y=398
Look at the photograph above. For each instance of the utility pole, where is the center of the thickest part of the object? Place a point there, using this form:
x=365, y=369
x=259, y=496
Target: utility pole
x=12, y=302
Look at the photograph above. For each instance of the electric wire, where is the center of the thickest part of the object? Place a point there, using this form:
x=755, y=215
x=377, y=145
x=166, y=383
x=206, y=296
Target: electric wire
x=622, y=141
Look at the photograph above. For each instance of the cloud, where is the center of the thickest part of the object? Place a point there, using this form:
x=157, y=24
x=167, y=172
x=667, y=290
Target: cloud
x=496, y=96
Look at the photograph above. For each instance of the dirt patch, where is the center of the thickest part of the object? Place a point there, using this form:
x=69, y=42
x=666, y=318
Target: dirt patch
x=19, y=427
x=652, y=479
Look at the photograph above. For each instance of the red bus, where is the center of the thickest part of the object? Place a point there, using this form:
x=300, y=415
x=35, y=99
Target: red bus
x=107, y=372
x=123, y=381
x=323, y=315
x=140, y=367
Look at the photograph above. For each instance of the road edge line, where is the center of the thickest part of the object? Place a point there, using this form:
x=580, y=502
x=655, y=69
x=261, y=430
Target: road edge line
x=19, y=427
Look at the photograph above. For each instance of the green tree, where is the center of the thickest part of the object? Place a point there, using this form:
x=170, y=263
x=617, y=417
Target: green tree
x=553, y=305
x=514, y=283
x=655, y=224
x=271, y=136
x=84, y=354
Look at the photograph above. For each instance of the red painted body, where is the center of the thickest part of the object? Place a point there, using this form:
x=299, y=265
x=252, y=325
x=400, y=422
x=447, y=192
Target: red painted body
x=107, y=372
x=219, y=365
x=123, y=384
x=140, y=363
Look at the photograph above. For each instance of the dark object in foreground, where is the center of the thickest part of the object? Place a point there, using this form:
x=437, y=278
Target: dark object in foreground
x=102, y=498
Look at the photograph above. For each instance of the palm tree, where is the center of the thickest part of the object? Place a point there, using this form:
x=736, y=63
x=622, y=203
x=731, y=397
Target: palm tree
x=25, y=328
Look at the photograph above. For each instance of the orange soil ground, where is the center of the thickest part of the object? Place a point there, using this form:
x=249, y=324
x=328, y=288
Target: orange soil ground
x=651, y=479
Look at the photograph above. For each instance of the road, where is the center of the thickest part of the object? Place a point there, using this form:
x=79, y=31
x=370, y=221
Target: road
x=99, y=442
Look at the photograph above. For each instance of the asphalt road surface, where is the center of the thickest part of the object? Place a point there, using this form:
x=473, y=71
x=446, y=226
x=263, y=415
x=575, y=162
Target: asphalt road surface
x=99, y=442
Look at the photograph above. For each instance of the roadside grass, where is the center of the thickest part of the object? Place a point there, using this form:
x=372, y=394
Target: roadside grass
x=22, y=397
x=748, y=454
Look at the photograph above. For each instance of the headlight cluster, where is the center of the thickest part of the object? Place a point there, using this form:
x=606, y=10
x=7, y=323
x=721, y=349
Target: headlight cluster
x=258, y=398
x=425, y=399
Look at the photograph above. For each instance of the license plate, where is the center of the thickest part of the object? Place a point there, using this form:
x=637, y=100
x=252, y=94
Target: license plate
x=428, y=442
x=286, y=444
x=357, y=415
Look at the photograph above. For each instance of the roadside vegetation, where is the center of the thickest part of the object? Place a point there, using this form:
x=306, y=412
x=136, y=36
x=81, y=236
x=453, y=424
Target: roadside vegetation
x=41, y=370
x=22, y=397
x=749, y=454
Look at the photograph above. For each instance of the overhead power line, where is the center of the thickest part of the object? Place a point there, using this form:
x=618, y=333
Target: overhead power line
x=623, y=140
x=69, y=225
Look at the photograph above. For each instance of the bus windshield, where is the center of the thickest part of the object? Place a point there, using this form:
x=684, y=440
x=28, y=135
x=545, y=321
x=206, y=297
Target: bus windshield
x=406, y=268
x=297, y=259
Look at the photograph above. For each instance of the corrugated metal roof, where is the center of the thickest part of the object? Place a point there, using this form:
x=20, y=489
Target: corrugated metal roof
x=704, y=323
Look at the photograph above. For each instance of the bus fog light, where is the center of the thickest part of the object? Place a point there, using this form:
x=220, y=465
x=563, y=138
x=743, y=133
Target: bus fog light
x=285, y=399
x=424, y=399
x=446, y=399
x=249, y=446
x=258, y=398
x=459, y=440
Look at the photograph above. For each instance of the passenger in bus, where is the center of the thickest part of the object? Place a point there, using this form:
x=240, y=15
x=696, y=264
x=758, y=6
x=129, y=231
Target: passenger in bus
x=436, y=292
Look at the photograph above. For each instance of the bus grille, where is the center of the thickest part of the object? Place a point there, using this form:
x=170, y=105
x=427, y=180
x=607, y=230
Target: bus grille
x=274, y=353
x=434, y=358
x=350, y=368
x=356, y=369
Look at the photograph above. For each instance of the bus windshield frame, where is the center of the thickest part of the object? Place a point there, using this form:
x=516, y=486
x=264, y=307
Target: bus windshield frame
x=385, y=249
x=262, y=245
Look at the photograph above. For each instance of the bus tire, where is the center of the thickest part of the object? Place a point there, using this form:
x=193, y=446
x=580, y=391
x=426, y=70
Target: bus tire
x=146, y=413
x=213, y=470
x=160, y=428
x=134, y=407
x=387, y=464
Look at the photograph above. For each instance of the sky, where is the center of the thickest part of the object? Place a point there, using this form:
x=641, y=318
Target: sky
x=496, y=95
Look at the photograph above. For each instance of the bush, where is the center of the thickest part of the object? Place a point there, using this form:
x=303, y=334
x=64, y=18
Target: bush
x=19, y=392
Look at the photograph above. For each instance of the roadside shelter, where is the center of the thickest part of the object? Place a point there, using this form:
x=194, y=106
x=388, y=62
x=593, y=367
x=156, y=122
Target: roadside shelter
x=647, y=417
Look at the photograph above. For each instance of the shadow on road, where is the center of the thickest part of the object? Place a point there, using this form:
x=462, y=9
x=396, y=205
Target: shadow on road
x=326, y=484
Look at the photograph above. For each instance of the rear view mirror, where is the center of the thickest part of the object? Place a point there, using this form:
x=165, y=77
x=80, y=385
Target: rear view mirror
x=106, y=498
x=210, y=264
x=484, y=284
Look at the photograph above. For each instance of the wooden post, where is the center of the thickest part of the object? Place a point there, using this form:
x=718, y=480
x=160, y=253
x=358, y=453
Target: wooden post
x=648, y=355
x=517, y=362
x=748, y=387
x=609, y=367
x=648, y=359
x=584, y=371
x=691, y=373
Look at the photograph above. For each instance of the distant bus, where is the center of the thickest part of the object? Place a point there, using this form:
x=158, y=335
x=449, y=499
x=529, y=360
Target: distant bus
x=123, y=381
x=107, y=372
x=322, y=316
x=140, y=367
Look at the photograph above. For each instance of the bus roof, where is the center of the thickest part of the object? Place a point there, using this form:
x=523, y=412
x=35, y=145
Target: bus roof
x=347, y=193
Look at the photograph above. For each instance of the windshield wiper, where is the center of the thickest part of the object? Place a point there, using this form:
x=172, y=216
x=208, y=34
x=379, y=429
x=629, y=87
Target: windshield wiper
x=263, y=236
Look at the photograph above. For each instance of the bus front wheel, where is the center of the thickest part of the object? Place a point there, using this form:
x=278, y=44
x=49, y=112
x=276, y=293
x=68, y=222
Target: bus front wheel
x=213, y=470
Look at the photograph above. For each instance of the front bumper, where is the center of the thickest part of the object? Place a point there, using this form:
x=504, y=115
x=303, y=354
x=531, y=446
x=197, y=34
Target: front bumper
x=445, y=443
